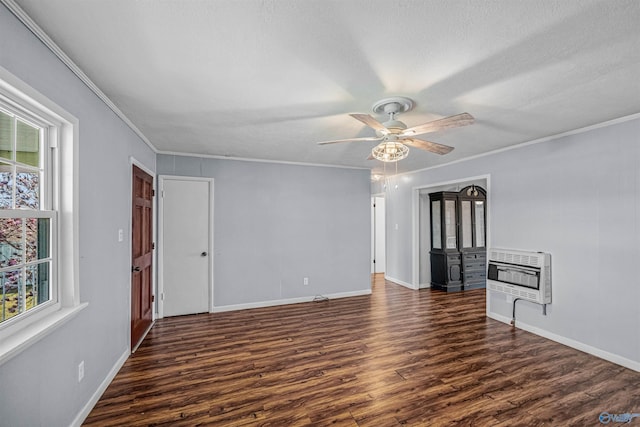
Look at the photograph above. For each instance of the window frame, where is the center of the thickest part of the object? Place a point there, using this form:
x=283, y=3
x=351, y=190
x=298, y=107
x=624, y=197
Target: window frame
x=59, y=201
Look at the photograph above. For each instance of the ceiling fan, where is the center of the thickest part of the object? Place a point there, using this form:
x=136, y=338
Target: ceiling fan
x=395, y=136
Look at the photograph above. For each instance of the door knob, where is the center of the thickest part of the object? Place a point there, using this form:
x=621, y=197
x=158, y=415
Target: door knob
x=203, y=254
x=135, y=269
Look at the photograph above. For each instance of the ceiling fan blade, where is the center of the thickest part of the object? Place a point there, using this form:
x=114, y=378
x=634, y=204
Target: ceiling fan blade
x=371, y=122
x=441, y=124
x=427, y=145
x=372, y=138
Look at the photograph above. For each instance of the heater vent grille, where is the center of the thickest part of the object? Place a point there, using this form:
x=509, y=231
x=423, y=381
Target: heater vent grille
x=519, y=293
x=516, y=258
x=525, y=275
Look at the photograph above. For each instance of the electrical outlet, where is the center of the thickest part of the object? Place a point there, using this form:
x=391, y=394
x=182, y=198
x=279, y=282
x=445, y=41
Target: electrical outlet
x=80, y=371
x=120, y=235
x=305, y=281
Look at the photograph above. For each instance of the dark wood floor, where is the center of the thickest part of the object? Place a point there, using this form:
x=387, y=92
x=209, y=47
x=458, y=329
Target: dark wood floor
x=397, y=357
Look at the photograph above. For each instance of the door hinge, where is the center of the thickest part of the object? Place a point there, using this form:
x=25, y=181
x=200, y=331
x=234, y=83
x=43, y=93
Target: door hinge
x=153, y=245
x=374, y=261
x=153, y=298
x=153, y=193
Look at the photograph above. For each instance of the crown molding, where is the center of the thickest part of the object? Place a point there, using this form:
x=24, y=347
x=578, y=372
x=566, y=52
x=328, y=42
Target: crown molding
x=531, y=142
x=249, y=159
x=55, y=49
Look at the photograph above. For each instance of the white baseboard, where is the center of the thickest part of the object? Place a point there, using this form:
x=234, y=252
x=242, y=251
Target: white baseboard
x=399, y=282
x=614, y=358
x=273, y=303
x=86, y=410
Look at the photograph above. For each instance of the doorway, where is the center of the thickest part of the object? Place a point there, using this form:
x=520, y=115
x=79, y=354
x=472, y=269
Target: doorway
x=185, y=281
x=422, y=244
x=378, y=247
x=141, y=255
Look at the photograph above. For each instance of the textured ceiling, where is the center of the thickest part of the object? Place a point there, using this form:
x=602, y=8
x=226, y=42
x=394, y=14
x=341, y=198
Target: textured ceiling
x=267, y=79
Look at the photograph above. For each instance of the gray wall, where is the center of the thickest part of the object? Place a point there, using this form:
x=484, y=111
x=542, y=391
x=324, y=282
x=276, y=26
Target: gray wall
x=577, y=197
x=275, y=224
x=39, y=386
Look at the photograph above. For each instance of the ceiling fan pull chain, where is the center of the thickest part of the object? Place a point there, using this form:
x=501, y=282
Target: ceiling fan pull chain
x=396, y=176
x=384, y=172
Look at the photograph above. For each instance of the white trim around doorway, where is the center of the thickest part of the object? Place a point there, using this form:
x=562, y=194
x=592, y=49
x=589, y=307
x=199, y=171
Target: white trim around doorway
x=415, y=206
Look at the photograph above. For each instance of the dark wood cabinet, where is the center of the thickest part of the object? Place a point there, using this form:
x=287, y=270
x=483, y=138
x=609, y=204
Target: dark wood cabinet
x=446, y=264
x=458, y=239
x=472, y=201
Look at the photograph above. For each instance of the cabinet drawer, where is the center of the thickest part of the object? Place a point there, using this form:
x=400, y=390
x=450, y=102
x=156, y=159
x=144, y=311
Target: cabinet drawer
x=474, y=261
x=475, y=257
x=475, y=265
x=453, y=259
x=475, y=276
x=474, y=285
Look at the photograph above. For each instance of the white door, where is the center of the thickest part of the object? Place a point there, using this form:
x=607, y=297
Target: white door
x=186, y=243
x=378, y=235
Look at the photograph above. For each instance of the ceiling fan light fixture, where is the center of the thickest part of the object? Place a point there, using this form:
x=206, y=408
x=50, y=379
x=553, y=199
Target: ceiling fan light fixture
x=396, y=136
x=390, y=151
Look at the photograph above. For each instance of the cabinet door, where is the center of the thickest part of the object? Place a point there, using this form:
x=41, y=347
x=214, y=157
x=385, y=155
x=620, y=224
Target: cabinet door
x=479, y=222
x=466, y=228
x=450, y=224
x=436, y=231
x=454, y=273
x=472, y=204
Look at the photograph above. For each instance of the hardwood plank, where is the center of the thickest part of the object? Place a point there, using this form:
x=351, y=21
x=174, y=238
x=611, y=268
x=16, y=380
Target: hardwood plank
x=396, y=357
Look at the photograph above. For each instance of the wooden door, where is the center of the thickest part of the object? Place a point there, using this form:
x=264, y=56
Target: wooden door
x=141, y=256
x=185, y=251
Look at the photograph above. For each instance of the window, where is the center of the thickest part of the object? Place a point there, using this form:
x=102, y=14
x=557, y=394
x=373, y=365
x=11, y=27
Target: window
x=25, y=218
x=38, y=219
